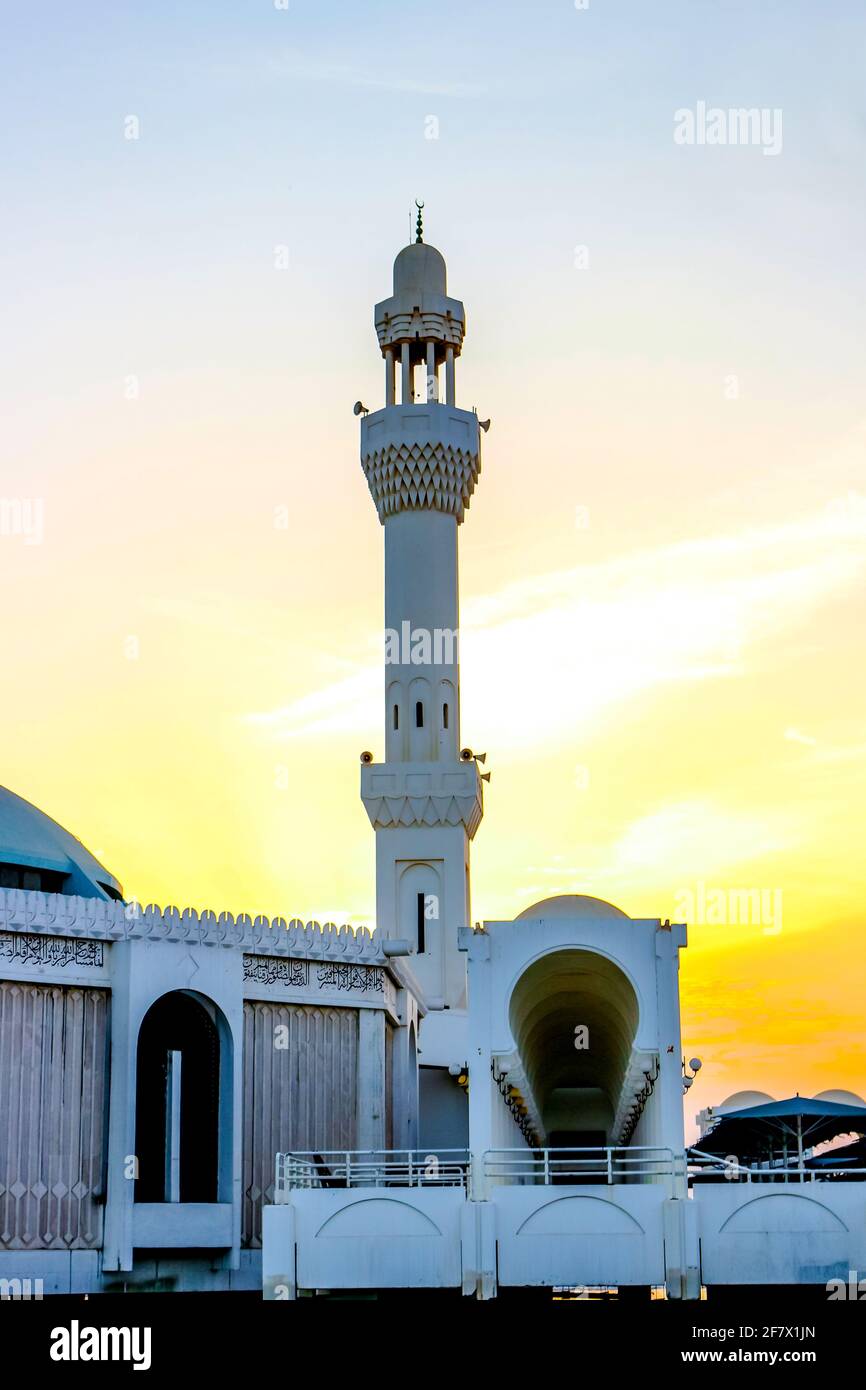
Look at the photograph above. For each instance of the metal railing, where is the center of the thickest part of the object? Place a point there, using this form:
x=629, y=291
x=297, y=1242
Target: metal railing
x=344, y=1168
x=370, y=1168
x=594, y=1165
x=712, y=1168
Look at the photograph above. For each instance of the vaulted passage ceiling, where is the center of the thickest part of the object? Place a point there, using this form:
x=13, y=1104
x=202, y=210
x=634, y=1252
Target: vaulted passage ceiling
x=559, y=994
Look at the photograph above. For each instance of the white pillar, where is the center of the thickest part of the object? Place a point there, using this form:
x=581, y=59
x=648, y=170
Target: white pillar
x=483, y=1096
x=669, y=1084
x=432, y=377
x=389, y=376
x=406, y=383
x=117, y=1239
x=172, y=1127
x=450, y=391
x=371, y=1079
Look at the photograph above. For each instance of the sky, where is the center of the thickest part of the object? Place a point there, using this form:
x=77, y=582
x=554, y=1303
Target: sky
x=663, y=566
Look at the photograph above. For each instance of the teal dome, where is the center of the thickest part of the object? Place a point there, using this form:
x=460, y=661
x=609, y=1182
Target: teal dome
x=37, y=853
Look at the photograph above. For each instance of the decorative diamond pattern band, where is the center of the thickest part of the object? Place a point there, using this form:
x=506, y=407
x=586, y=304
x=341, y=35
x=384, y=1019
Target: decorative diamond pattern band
x=421, y=476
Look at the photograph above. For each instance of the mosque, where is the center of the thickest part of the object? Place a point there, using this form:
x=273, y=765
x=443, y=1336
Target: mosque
x=202, y=1102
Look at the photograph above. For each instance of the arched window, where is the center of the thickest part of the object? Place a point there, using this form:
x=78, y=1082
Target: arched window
x=419, y=714
x=177, y=1102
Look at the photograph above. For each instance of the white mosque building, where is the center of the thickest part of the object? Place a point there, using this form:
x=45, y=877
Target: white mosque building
x=202, y=1102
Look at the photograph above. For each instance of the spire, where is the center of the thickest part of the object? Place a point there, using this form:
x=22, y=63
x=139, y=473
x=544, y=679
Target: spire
x=419, y=224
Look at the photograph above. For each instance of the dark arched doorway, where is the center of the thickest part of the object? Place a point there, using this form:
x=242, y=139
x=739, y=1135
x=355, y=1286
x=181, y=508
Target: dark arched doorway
x=177, y=1101
x=574, y=1017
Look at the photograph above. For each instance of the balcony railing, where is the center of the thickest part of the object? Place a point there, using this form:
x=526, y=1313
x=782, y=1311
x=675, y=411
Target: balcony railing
x=638, y=1163
x=370, y=1168
x=453, y=1168
x=712, y=1168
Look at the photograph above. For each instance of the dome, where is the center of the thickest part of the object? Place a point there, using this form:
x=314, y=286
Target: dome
x=571, y=905
x=743, y=1100
x=419, y=269
x=36, y=852
x=840, y=1097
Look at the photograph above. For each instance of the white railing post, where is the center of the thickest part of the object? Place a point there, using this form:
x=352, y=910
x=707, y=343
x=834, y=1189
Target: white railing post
x=610, y=1167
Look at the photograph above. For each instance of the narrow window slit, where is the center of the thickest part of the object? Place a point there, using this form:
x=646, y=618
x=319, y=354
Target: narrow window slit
x=420, y=933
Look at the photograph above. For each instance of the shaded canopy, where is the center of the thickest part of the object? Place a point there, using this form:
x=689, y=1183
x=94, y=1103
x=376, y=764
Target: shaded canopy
x=847, y=1156
x=759, y=1129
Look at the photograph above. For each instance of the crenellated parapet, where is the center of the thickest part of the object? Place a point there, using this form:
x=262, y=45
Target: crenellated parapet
x=72, y=917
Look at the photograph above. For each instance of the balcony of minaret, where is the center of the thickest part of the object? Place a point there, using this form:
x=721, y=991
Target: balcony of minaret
x=423, y=794
x=417, y=456
x=433, y=360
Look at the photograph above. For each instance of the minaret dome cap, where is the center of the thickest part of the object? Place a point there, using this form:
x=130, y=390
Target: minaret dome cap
x=420, y=268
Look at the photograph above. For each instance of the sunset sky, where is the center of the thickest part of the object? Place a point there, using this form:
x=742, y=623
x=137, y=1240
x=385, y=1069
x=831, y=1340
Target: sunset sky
x=663, y=570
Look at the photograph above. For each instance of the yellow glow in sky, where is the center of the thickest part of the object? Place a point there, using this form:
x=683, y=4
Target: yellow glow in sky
x=663, y=569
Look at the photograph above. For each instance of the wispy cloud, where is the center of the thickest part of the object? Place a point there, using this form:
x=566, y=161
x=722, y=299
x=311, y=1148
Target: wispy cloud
x=576, y=643
x=827, y=753
x=693, y=838
x=794, y=736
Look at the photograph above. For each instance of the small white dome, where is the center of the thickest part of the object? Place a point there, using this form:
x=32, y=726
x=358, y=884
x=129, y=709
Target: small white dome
x=419, y=269
x=743, y=1100
x=840, y=1097
x=571, y=905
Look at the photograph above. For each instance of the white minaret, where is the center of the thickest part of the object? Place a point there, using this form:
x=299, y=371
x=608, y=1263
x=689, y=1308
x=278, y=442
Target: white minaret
x=421, y=458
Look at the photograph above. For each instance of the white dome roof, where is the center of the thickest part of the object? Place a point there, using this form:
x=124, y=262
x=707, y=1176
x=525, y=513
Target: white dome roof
x=420, y=269
x=743, y=1100
x=571, y=905
x=30, y=839
x=840, y=1097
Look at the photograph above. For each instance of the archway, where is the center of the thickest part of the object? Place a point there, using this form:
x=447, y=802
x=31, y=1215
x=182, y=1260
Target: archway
x=180, y=1097
x=574, y=1016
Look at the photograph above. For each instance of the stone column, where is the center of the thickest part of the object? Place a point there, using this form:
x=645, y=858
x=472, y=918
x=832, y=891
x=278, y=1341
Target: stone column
x=371, y=1079
x=117, y=1240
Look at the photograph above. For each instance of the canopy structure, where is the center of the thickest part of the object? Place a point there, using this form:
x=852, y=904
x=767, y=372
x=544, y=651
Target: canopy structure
x=782, y=1129
x=846, y=1156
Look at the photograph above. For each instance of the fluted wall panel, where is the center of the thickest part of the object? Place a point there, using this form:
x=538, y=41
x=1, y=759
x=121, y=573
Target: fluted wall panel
x=53, y=1060
x=300, y=1092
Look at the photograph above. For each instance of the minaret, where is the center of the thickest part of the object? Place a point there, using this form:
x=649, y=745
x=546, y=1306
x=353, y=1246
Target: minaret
x=421, y=459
